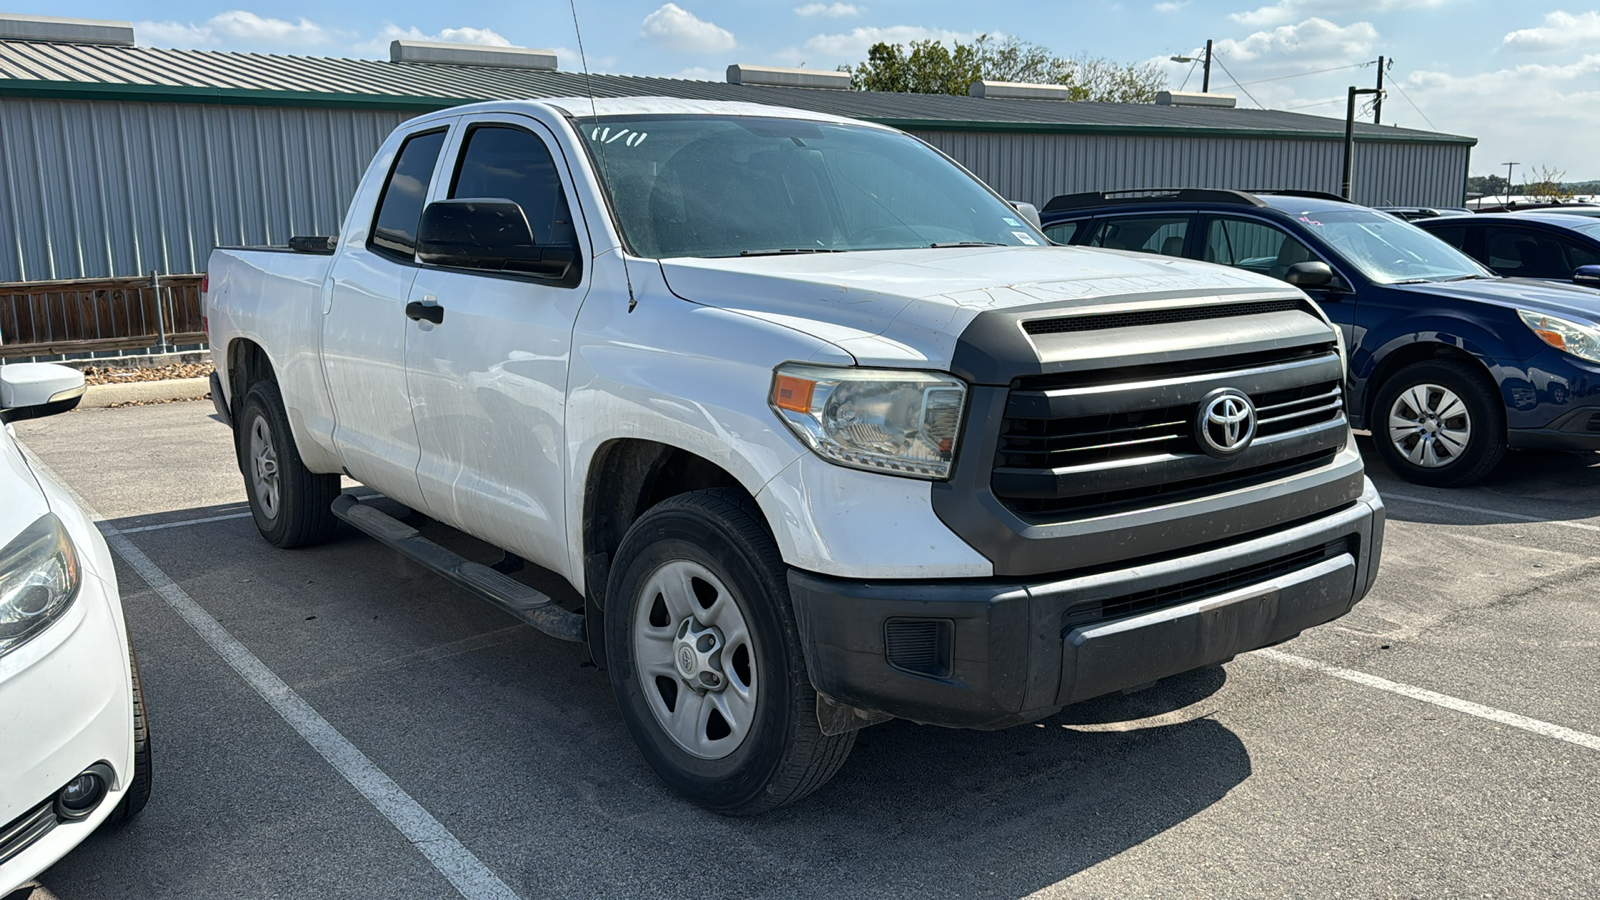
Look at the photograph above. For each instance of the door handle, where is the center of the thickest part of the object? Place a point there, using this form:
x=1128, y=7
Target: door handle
x=425, y=311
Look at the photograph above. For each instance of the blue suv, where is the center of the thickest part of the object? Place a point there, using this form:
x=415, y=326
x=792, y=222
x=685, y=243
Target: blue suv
x=1450, y=365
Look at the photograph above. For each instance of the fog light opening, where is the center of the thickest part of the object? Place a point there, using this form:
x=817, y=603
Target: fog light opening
x=79, y=797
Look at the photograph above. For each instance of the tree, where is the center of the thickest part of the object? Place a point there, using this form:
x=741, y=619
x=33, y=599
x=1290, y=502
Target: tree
x=929, y=67
x=1488, y=186
x=1545, y=185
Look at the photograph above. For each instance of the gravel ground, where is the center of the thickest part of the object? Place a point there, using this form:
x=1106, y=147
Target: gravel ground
x=122, y=375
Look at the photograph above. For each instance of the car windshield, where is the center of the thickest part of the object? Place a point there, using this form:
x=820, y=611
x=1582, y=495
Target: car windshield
x=710, y=186
x=1589, y=228
x=1387, y=250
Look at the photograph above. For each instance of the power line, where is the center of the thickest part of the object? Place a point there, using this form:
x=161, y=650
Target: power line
x=1218, y=60
x=1187, y=75
x=1318, y=103
x=1414, y=106
x=1314, y=72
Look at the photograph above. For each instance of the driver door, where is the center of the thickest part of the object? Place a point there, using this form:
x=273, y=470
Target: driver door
x=1269, y=250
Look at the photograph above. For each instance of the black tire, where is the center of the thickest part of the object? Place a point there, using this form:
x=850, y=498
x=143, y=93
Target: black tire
x=1485, y=413
x=139, y=787
x=302, y=514
x=784, y=755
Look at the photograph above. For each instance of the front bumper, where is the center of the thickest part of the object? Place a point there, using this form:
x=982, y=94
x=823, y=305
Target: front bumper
x=994, y=653
x=66, y=703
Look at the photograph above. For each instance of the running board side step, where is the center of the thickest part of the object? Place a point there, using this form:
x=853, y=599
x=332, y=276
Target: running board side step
x=513, y=596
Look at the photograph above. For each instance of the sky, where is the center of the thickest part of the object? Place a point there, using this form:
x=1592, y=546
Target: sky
x=1523, y=78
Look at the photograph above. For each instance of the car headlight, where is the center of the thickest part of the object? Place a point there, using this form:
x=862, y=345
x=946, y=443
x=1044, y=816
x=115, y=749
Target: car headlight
x=889, y=420
x=39, y=577
x=1578, y=338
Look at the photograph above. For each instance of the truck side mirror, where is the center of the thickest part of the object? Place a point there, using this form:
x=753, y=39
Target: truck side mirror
x=1588, y=276
x=1028, y=211
x=34, y=390
x=1312, y=274
x=487, y=234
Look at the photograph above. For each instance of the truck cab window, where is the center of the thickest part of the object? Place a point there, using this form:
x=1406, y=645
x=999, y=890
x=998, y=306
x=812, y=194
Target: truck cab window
x=394, y=229
x=505, y=163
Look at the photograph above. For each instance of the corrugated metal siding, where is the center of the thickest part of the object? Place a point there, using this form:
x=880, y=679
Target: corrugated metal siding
x=93, y=189
x=1036, y=167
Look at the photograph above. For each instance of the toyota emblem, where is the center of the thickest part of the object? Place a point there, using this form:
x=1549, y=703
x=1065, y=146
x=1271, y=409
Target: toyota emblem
x=1226, y=424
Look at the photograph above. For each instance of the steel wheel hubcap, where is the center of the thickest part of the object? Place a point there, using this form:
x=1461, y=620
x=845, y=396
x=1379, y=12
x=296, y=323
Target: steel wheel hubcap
x=1430, y=425
x=695, y=659
x=264, y=467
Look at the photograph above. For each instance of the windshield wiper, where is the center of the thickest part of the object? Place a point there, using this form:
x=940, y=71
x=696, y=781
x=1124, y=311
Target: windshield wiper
x=779, y=251
x=942, y=245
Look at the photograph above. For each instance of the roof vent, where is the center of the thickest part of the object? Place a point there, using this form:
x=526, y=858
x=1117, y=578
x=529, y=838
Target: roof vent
x=65, y=31
x=1016, y=90
x=471, y=55
x=801, y=78
x=1190, y=98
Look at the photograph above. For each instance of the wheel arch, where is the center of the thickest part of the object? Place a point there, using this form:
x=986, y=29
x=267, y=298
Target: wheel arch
x=1414, y=348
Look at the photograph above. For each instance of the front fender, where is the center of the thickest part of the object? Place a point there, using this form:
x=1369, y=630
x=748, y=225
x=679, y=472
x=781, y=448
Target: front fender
x=1375, y=349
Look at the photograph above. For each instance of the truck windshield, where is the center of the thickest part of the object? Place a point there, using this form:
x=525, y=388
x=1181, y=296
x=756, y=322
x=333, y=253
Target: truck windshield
x=1388, y=250
x=709, y=186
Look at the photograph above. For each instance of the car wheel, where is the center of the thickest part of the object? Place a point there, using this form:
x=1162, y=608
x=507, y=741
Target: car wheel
x=291, y=504
x=705, y=660
x=1439, y=424
x=139, y=787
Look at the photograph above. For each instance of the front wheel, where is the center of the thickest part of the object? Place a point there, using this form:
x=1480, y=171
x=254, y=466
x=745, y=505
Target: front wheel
x=1439, y=424
x=705, y=660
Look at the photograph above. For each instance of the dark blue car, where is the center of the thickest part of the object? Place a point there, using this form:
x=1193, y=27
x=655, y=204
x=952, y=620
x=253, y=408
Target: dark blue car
x=1450, y=364
x=1551, y=245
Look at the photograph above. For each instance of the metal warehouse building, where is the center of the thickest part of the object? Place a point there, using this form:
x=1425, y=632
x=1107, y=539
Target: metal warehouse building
x=120, y=160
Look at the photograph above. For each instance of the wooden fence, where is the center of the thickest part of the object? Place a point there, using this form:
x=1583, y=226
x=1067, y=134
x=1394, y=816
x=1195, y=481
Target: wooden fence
x=45, y=318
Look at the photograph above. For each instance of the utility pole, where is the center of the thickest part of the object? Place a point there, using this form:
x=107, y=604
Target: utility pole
x=1509, y=166
x=1347, y=187
x=1377, y=104
x=1205, y=87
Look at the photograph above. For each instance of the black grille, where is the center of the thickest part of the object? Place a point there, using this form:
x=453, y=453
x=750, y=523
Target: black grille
x=1175, y=369
x=22, y=832
x=922, y=646
x=1114, y=437
x=1108, y=502
x=1594, y=424
x=1095, y=611
x=1156, y=316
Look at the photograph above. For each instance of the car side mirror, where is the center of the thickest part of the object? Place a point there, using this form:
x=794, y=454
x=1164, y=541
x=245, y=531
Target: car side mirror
x=1028, y=211
x=1312, y=274
x=488, y=234
x=34, y=390
x=1589, y=276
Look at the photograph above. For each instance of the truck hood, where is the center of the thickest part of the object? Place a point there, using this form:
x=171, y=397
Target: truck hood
x=908, y=307
x=1555, y=298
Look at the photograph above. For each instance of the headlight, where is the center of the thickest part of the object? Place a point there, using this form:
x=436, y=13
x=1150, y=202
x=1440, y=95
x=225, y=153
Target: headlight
x=39, y=577
x=887, y=420
x=1580, y=339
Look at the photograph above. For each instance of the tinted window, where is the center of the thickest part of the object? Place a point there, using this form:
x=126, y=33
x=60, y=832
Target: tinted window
x=394, y=229
x=1455, y=235
x=1255, y=246
x=1061, y=232
x=1579, y=255
x=511, y=164
x=1150, y=234
x=1525, y=253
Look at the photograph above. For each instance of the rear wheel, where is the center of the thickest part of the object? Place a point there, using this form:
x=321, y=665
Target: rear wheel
x=1438, y=423
x=705, y=661
x=290, y=503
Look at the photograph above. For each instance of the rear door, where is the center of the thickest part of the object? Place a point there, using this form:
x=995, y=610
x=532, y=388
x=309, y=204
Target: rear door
x=488, y=383
x=364, y=326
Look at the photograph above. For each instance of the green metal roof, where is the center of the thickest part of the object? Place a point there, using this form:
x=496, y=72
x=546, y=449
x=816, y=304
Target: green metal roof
x=86, y=72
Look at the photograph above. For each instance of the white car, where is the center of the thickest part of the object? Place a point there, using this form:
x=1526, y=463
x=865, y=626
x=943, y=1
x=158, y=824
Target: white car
x=74, y=745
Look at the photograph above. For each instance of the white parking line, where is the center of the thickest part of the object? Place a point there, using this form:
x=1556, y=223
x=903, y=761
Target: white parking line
x=453, y=860
x=1520, y=517
x=243, y=515
x=1499, y=716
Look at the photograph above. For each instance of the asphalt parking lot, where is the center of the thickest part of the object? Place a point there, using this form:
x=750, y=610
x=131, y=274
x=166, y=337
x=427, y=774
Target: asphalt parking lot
x=1441, y=740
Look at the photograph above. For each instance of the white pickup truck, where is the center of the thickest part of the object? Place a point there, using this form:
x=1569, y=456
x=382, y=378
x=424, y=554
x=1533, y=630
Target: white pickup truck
x=822, y=429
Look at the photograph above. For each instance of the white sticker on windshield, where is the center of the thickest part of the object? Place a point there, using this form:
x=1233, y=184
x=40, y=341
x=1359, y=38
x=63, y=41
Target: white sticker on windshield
x=1026, y=238
x=1010, y=221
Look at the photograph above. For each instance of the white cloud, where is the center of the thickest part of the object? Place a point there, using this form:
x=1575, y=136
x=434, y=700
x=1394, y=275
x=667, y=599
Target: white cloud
x=699, y=73
x=235, y=27
x=1289, y=10
x=830, y=10
x=1314, y=39
x=378, y=46
x=1561, y=31
x=1171, y=7
x=675, y=27
x=852, y=47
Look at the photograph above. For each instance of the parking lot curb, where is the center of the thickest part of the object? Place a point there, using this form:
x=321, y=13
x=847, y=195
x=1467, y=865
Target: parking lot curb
x=103, y=395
